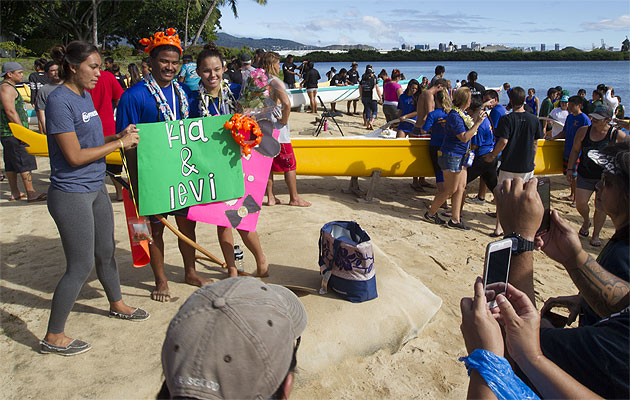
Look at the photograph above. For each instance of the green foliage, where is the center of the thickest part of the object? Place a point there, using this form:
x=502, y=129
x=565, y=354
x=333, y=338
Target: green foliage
x=40, y=46
x=14, y=49
x=120, y=52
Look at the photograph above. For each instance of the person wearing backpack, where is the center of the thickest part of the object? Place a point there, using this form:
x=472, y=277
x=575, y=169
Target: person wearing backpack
x=367, y=84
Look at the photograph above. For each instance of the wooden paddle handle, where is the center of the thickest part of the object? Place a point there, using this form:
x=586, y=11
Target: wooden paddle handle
x=191, y=242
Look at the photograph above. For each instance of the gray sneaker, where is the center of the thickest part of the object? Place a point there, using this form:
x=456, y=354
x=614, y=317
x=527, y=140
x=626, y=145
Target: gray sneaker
x=137, y=315
x=75, y=347
x=475, y=200
x=434, y=219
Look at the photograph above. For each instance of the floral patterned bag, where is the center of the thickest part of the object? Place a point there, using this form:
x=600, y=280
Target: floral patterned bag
x=346, y=261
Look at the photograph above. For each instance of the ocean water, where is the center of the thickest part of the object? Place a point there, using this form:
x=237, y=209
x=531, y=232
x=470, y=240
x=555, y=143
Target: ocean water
x=540, y=75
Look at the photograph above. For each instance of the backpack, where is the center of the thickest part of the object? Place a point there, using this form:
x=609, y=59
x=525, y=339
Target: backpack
x=346, y=261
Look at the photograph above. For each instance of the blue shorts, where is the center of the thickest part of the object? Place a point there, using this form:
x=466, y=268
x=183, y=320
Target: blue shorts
x=451, y=163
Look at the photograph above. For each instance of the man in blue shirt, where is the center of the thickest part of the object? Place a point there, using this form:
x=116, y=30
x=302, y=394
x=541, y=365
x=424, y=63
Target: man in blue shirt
x=139, y=105
x=575, y=120
x=188, y=74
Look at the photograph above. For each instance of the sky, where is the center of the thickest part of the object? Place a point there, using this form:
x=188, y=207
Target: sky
x=386, y=24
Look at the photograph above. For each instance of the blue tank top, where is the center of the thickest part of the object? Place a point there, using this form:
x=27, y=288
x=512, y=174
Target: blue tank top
x=532, y=104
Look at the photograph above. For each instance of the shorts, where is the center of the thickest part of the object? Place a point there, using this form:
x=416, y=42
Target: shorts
x=113, y=168
x=417, y=133
x=289, y=85
x=16, y=158
x=285, y=161
x=370, y=108
x=182, y=212
x=451, y=163
x=504, y=175
x=391, y=112
x=311, y=90
x=433, y=154
x=586, y=183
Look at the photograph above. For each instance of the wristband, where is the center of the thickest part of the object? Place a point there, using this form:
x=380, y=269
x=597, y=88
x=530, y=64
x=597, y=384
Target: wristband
x=498, y=374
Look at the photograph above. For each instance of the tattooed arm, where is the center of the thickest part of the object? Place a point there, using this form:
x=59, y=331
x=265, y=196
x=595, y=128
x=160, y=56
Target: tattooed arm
x=605, y=292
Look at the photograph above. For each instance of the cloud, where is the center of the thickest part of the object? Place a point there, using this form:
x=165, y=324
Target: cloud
x=619, y=23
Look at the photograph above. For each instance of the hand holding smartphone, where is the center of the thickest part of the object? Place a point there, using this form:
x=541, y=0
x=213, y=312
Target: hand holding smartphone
x=496, y=269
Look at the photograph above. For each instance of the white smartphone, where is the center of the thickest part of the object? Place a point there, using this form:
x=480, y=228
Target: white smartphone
x=497, y=265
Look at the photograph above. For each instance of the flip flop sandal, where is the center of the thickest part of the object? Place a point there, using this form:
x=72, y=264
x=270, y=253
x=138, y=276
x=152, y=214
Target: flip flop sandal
x=41, y=197
x=584, y=232
x=22, y=196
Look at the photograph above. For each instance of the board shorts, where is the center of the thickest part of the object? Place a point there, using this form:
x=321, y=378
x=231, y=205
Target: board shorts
x=113, y=168
x=285, y=161
x=182, y=212
x=504, y=175
x=586, y=183
x=16, y=158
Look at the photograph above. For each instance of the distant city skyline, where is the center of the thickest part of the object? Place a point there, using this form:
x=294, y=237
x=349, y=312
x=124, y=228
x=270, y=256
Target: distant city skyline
x=579, y=23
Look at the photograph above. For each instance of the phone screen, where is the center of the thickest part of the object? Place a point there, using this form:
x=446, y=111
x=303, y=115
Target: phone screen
x=544, y=191
x=498, y=266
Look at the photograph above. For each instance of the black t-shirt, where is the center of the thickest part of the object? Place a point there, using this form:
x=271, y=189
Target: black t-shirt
x=521, y=129
x=36, y=81
x=288, y=77
x=476, y=89
x=353, y=77
x=367, y=86
x=121, y=81
x=311, y=77
x=337, y=80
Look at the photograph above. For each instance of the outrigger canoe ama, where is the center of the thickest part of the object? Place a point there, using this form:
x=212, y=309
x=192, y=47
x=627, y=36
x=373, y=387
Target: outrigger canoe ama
x=350, y=156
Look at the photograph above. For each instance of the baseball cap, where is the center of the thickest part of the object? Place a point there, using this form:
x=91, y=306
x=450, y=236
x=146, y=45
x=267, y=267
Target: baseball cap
x=245, y=58
x=233, y=339
x=355, y=63
x=602, y=111
x=10, y=66
x=564, y=98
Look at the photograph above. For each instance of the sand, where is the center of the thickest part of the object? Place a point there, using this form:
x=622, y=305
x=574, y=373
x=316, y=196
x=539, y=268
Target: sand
x=125, y=359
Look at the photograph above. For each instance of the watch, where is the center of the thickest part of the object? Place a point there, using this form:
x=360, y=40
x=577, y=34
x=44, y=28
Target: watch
x=519, y=243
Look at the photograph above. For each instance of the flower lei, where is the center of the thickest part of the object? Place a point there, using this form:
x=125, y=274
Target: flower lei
x=227, y=103
x=468, y=121
x=239, y=123
x=165, y=109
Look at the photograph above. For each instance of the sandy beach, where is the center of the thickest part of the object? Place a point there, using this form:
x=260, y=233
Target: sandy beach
x=124, y=362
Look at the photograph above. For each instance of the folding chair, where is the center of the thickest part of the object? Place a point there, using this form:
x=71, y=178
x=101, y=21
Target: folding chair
x=325, y=115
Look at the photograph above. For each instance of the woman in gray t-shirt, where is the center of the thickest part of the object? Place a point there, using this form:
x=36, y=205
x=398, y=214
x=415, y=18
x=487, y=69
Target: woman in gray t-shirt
x=77, y=198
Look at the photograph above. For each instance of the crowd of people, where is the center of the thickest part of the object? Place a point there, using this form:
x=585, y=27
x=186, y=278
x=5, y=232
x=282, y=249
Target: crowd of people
x=471, y=135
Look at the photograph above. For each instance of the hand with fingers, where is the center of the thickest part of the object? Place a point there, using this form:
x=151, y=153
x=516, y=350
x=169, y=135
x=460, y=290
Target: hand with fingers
x=519, y=206
x=479, y=327
x=571, y=303
x=561, y=242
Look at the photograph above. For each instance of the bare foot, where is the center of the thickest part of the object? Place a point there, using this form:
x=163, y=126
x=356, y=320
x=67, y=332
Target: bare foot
x=232, y=272
x=262, y=270
x=161, y=292
x=299, y=202
x=273, y=202
x=196, y=280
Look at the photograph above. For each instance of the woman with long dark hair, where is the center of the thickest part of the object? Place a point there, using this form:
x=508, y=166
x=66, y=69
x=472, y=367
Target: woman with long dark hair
x=77, y=197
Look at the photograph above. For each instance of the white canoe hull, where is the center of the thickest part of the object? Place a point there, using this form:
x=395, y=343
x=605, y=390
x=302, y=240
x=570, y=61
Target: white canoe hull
x=333, y=94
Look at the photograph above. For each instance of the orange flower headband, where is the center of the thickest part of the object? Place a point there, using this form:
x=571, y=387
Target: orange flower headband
x=161, y=39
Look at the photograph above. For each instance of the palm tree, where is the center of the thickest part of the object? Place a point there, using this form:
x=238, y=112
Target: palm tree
x=231, y=3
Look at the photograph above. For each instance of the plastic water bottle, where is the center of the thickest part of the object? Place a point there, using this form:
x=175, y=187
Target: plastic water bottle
x=238, y=258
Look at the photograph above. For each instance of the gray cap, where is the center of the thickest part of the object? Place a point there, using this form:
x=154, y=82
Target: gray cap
x=10, y=66
x=602, y=111
x=233, y=339
x=245, y=58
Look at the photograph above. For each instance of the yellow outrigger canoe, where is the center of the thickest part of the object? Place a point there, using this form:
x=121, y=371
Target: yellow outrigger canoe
x=349, y=156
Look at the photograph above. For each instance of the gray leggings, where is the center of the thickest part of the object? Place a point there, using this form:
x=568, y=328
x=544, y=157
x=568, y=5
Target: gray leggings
x=86, y=225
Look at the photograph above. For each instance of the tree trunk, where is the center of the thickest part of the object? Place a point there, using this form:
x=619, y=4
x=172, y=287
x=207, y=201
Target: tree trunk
x=94, y=24
x=205, y=21
x=186, y=24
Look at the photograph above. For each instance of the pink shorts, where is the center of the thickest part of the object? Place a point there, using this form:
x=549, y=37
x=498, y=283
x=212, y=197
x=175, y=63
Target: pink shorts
x=285, y=161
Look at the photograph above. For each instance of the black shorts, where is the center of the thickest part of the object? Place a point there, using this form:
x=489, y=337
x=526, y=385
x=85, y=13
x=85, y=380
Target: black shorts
x=16, y=158
x=182, y=212
x=114, y=168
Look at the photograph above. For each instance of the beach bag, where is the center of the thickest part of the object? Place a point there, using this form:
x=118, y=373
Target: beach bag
x=346, y=261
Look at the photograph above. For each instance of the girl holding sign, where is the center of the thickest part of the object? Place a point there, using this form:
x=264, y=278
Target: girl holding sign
x=77, y=198
x=218, y=98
